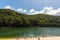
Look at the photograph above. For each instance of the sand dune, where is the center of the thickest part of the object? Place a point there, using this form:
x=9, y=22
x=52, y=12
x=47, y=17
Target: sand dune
x=34, y=38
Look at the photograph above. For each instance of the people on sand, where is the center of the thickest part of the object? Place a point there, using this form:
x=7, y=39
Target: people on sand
x=17, y=38
x=38, y=38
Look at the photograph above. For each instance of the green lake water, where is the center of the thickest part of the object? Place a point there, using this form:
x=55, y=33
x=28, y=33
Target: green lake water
x=29, y=32
x=42, y=32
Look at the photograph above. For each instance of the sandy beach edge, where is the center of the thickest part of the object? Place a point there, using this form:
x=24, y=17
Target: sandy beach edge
x=33, y=38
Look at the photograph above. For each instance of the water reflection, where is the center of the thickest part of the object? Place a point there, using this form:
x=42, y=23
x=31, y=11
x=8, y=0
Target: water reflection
x=42, y=32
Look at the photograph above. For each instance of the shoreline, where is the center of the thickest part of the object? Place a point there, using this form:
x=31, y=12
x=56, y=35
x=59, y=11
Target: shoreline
x=33, y=38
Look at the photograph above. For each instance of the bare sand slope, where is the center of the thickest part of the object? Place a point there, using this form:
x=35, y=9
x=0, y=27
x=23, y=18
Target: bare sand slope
x=35, y=38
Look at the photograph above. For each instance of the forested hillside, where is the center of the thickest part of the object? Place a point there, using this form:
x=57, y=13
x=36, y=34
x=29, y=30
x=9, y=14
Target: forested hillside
x=11, y=18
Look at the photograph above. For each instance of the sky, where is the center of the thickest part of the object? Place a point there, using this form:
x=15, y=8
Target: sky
x=36, y=6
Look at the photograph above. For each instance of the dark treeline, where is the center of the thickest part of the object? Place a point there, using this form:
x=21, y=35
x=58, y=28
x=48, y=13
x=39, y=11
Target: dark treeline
x=11, y=18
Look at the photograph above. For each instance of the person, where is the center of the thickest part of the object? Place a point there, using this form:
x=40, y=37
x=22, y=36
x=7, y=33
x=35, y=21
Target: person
x=17, y=38
x=38, y=38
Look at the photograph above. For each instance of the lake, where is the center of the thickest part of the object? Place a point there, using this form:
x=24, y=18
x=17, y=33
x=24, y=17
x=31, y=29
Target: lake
x=30, y=32
x=42, y=32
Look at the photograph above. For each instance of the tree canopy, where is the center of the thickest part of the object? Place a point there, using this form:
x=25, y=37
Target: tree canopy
x=11, y=18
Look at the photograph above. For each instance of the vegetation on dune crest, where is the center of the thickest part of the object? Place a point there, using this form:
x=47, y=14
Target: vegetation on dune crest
x=11, y=18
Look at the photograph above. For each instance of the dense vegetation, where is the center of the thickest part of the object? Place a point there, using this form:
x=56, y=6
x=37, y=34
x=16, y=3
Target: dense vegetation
x=11, y=18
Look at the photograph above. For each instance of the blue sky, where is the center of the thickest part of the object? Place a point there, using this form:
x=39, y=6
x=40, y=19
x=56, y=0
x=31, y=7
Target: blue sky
x=29, y=4
x=51, y=7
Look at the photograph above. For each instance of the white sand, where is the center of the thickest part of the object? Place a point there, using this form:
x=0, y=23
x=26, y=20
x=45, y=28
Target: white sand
x=34, y=38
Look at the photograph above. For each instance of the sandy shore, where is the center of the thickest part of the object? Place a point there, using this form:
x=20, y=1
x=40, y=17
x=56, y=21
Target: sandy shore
x=34, y=38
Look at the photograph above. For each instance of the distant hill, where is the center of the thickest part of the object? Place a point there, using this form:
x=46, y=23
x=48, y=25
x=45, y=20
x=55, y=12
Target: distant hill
x=11, y=18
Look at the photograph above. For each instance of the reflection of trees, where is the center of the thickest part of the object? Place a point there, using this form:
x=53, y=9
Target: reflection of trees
x=41, y=31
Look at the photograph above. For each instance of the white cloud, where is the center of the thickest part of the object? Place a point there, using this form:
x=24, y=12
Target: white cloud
x=32, y=11
x=21, y=10
x=25, y=10
x=8, y=7
x=46, y=10
x=50, y=11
